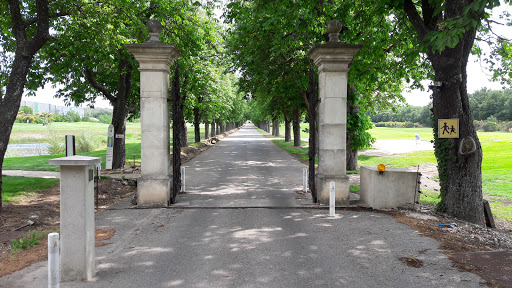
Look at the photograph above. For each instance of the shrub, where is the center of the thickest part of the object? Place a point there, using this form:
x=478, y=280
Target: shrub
x=505, y=126
x=26, y=110
x=55, y=142
x=107, y=119
x=490, y=127
x=478, y=124
x=73, y=116
x=87, y=142
x=408, y=125
x=25, y=243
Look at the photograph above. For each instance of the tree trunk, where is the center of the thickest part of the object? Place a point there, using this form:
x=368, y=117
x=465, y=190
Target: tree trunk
x=206, y=129
x=177, y=124
x=26, y=48
x=460, y=174
x=120, y=104
x=184, y=134
x=296, y=127
x=459, y=159
x=197, y=122
x=312, y=103
x=10, y=104
x=275, y=128
x=119, y=115
x=218, y=127
x=287, y=128
x=351, y=153
x=213, y=129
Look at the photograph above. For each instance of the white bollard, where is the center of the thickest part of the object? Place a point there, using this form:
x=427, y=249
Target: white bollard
x=182, y=179
x=70, y=145
x=305, y=172
x=53, y=261
x=332, y=198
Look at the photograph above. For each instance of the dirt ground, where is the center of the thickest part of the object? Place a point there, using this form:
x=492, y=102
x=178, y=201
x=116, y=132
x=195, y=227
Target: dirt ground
x=466, y=244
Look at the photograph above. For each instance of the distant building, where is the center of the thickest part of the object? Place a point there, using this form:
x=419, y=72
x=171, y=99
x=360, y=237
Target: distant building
x=54, y=109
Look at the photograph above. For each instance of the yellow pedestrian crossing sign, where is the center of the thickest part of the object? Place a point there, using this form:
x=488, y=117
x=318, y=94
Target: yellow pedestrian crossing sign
x=448, y=128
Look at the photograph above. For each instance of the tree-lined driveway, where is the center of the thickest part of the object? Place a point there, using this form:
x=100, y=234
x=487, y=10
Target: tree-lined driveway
x=240, y=225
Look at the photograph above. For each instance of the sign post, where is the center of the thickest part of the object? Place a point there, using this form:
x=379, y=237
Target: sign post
x=448, y=128
x=110, y=148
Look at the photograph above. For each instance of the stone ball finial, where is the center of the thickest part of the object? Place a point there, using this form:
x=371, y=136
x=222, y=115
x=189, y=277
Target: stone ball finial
x=154, y=27
x=334, y=28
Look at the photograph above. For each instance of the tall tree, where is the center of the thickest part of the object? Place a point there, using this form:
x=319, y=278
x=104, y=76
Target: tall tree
x=87, y=59
x=26, y=26
x=446, y=30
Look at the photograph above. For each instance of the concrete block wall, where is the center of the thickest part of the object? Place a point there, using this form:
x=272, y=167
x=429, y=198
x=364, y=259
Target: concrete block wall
x=395, y=187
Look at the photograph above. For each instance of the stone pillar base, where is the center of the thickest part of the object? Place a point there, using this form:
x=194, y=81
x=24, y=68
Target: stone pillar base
x=342, y=189
x=153, y=192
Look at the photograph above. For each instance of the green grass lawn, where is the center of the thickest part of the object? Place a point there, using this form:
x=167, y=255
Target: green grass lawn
x=302, y=127
x=14, y=187
x=40, y=163
x=401, y=133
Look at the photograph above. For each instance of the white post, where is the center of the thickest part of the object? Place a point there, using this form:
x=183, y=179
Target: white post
x=110, y=147
x=305, y=179
x=182, y=178
x=70, y=145
x=53, y=261
x=332, y=197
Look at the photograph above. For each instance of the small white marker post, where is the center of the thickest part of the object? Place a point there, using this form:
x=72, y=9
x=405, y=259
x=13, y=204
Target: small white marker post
x=110, y=148
x=53, y=261
x=305, y=172
x=332, y=196
x=70, y=145
x=182, y=178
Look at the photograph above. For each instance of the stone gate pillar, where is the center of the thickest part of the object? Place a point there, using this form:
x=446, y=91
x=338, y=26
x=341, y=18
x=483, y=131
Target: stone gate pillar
x=155, y=59
x=333, y=60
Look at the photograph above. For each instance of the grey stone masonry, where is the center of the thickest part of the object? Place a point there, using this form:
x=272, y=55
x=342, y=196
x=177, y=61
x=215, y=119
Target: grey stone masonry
x=333, y=60
x=155, y=59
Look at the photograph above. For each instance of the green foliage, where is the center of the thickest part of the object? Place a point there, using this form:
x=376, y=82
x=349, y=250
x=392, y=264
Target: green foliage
x=490, y=127
x=403, y=114
x=358, y=125
x=25, y=243
x=55, y=142
x=26, y=110
x=87, y=142
x=107, y=119
x=37, y=118
x=487, y=103
x=72, y=116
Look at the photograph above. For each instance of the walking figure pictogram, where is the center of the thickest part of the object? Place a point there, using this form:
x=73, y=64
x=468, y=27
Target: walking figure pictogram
x=445, y=128
x=452, y=130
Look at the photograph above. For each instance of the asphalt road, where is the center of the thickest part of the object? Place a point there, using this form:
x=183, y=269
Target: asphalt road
x=240, y=225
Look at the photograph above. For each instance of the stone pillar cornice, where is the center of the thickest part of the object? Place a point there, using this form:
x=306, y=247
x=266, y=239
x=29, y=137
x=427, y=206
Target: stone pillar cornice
x=154, y=55
x=333, y=56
